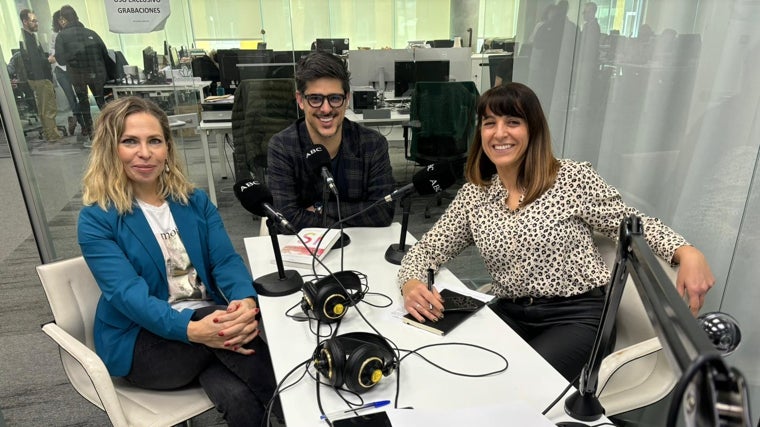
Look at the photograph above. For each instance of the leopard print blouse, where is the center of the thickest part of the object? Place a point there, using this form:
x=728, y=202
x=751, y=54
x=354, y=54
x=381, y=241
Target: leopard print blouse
x=544, y=249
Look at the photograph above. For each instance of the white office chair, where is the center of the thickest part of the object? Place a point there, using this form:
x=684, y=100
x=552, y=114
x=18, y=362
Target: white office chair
x=637, y=373
x=73, y=295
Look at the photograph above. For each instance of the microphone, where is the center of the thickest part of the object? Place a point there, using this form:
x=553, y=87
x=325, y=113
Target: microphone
x=722, y=330
x=318, y=160
x=432, y=179
x=256, y=199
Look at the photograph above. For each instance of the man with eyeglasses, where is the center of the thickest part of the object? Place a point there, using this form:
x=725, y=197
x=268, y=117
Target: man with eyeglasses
x=359, y=160
x=38, y=74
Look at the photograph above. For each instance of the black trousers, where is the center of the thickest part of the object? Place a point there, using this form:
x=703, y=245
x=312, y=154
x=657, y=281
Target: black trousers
x=561, y=330
x=82, y=79
x=240, y=386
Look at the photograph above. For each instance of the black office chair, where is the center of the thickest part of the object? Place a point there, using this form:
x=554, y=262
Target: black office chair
x=262, y=108
x=205, y=68
x=442, y=123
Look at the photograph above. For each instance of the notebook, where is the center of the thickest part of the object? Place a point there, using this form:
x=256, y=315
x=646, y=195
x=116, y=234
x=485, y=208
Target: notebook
x=456, y=309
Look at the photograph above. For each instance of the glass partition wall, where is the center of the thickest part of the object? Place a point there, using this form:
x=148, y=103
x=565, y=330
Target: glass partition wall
x=662, y=97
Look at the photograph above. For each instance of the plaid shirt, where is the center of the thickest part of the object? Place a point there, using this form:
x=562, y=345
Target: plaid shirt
x=367, y=171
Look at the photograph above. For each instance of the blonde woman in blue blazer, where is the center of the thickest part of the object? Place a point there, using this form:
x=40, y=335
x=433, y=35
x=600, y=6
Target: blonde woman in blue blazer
x=178, y=303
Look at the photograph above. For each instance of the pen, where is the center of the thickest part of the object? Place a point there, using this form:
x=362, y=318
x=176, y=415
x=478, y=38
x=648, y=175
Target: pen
x=430, y=281
x=378, y=404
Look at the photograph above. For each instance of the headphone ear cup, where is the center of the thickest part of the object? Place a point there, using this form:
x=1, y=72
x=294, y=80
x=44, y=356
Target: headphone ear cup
x=333, y=351
x=331, y=302
x=364, y=368
x=307, y=302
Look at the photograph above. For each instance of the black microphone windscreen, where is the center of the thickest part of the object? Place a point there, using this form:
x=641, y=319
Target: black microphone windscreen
x=434, y=178
x=317, y=157
x=253, y=195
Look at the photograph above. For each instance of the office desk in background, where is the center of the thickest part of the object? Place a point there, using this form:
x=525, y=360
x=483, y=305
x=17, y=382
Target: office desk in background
x=395, y=119
x=219, y=129
x=151, y=89
x=529, y=377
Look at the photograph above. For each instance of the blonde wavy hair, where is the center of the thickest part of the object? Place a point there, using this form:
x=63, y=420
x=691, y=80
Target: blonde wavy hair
x=539, y=167
x=105, y=181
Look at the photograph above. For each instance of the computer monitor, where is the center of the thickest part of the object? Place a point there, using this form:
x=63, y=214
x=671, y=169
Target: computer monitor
x=336, y=46
x=288, y=56
x=150, y=65
x=407, y=73
x=266, y=71
x=441, y=43
x=171, y=54
x=228, y=60
x=118, y=58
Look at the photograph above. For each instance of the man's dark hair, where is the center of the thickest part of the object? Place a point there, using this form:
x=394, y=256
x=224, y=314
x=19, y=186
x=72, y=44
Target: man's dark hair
x=24, y=14
x=68, y=13
x=317, y=65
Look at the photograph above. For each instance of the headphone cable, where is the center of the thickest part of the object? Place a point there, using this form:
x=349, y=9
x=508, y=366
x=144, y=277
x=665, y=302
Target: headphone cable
x=278, y=390
x=554, y=402
x=463, y=344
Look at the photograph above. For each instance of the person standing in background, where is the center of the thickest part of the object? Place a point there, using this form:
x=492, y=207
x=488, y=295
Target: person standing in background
x=85, y=55
x=38, y=74
x=62, y=77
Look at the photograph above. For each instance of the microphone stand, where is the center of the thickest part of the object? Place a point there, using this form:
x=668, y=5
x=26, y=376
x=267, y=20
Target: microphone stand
x=325, y=198
x=283, y=282
x=344, y=240
x=395, y=252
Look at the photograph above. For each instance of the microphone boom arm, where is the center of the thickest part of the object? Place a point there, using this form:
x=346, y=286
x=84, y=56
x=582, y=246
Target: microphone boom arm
x=704, y=375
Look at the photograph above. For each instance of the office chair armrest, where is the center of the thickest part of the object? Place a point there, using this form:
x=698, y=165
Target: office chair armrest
x=621, y=357
x=83, y=354
x=106, y=397
x=411, y=124
x=635, y=376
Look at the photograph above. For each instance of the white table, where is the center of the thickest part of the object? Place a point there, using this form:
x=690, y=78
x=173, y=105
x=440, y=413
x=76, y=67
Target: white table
x=219, y=129
x=529, y=377
x=395, y=119
x=157, y=90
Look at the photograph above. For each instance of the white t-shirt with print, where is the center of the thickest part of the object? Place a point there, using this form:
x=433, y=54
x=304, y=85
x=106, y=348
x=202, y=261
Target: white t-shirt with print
x=185, y=287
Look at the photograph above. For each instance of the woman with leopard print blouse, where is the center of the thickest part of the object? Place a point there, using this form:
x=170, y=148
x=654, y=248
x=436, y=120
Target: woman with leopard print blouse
x=532, y=217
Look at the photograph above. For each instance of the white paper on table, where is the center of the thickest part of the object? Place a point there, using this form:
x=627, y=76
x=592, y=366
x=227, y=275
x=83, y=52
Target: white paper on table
x=516, y=413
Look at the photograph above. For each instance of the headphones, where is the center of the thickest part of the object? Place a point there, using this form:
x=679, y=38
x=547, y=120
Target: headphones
x=357, y=359
x=327, y=300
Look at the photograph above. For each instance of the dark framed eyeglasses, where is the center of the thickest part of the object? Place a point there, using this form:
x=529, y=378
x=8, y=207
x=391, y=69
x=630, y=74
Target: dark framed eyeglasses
x=334, y=99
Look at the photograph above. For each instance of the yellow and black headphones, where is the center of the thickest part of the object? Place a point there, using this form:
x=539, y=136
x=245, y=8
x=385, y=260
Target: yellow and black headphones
x=327, y=300
x=358, y=360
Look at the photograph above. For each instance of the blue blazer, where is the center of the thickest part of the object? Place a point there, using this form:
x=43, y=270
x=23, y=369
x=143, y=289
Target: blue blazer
x=128, y=265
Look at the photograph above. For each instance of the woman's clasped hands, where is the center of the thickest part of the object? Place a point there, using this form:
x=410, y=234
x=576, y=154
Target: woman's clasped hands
x=229, y=329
